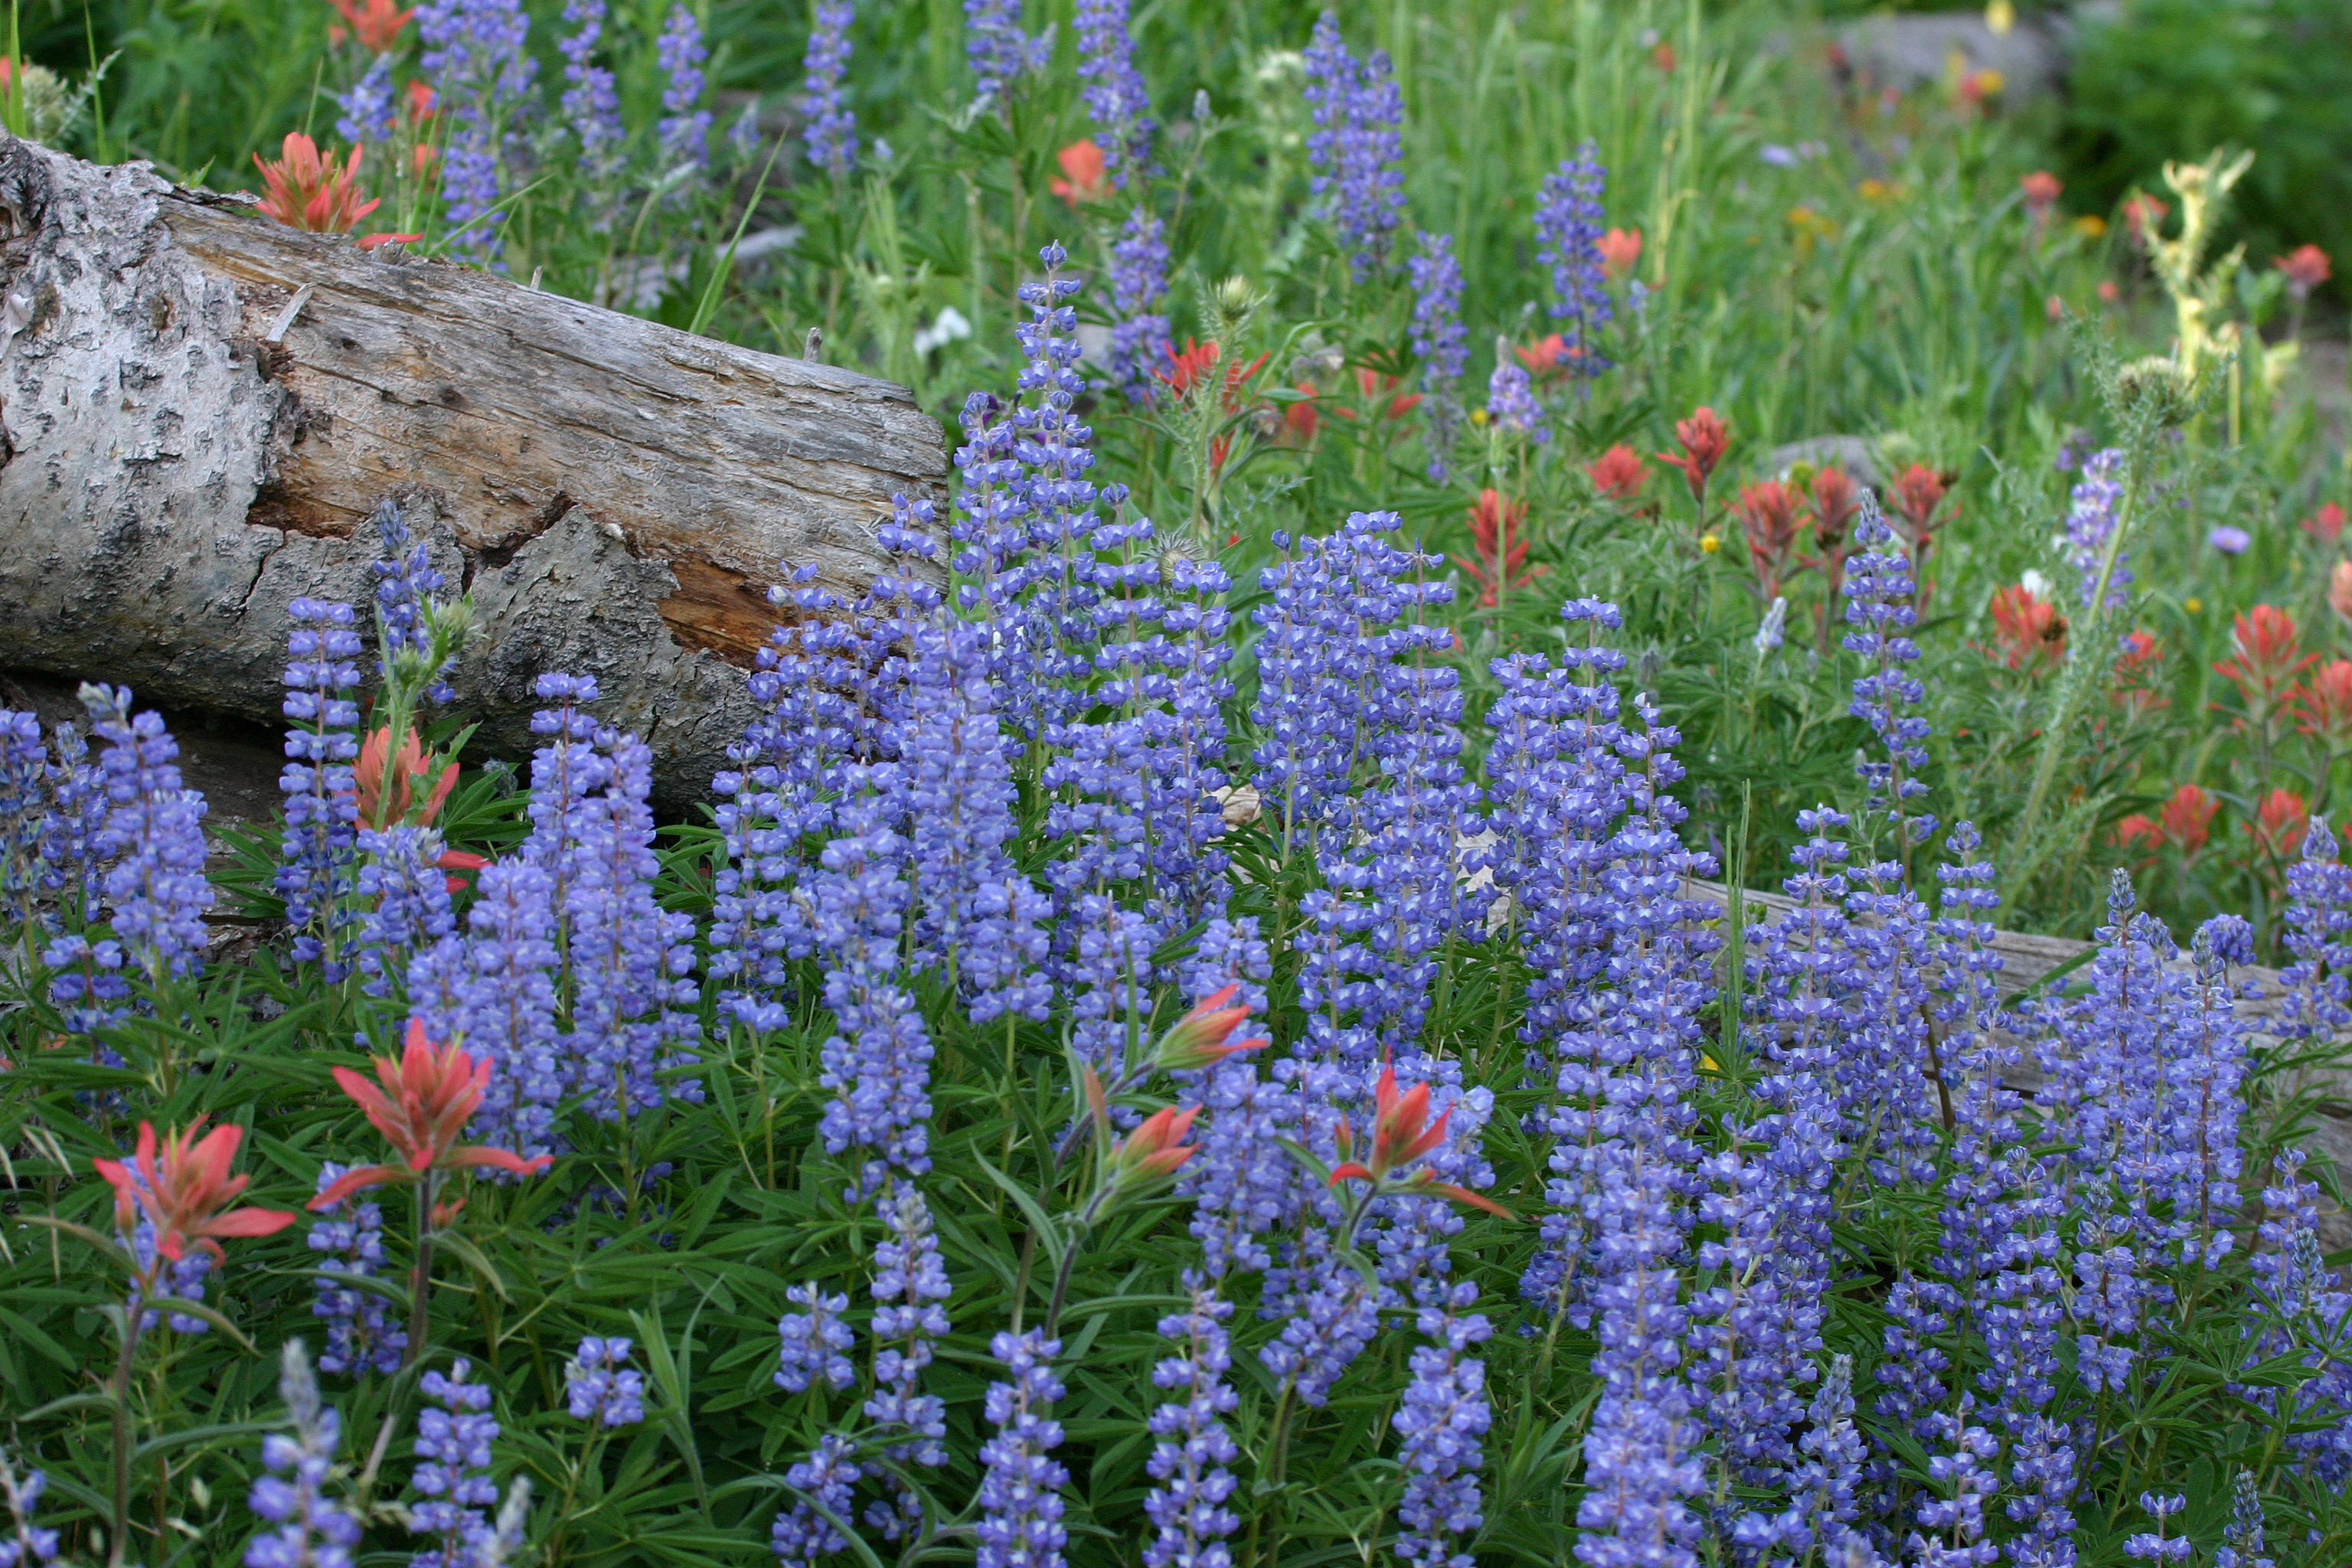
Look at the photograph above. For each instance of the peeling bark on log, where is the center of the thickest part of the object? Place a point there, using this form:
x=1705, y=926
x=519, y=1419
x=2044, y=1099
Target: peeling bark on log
x=200, y=408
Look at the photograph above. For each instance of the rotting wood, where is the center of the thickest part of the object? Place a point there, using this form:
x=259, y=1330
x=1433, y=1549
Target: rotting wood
x=200, y=408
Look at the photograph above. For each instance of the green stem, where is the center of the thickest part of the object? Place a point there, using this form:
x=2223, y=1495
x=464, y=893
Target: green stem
x=118, y=1540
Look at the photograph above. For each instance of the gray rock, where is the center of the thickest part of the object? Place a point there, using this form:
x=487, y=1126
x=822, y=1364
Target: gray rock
x=1852, y=453
x=1911, y=51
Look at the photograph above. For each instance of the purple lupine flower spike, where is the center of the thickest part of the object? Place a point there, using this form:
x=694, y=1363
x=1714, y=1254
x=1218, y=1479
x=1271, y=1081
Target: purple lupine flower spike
x=453, y=1442
x=24, y=805
x=1115, y=93
x=318, y=847
x=831, y=133
x=1357, y=150
x=814, y=1342
x=591, y=100
x=802, y=1536
x=600, y=1387
x=910, y=1280
x=361, y=1334
x=313, y=1532
x=1139, y=287
x=1191, y=1458
x=1511, y=399
x=369, y=112
x=1442, y=1419
x=1880, y=596
x=2091, y=522
x=685, y=127
x=1569, y=219
x=1021, y=1507
x=1440, y=340
x=406, y=589
x=156, y=892
x=1001, y=53
x=477, y=55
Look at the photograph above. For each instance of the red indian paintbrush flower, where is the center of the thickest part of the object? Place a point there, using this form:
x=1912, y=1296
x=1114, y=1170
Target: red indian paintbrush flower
x=2042, y=191
x=2327, y=524
x=1703, y=438
x=1402, y=1136
x=2307, y=267
x=306, y=191
x=423, y=1105
x=1502, y=554
x=375, y=22
x=1081, y=168
x=2281, y=824
x=1156, y=1148
x=183, y=1188
x=2268, y=656
x=1620, y=249
x=1769, y=516
x=1617, y=473
x=2323, y=706
x=1918, y=493
x=1203, y=1036
x=2031, y=631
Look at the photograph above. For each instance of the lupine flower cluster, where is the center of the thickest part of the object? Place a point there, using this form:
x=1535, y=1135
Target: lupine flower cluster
x=313, y=1532
x=361, y=1334
x=1115, y=93
x=600, y=1386
x=476, y=54
x=453, y=1444
x=685, y=128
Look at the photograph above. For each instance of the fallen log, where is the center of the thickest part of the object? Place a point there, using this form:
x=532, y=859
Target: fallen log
x=201, y=409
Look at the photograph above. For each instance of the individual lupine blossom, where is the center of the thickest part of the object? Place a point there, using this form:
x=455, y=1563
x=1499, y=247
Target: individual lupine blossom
x=1443, y=1419
x=2319, y=937
x=591, y=99
x=1569, y=220
x=1000, y=52
x=1879, y=594
x=801, y=1537
x=684, y=126
x=371, y=113
x=829, y=124
x=1138, y=289
x=1440, y=340
x=453, y=1440
x=2303, y=1310
x=815, y=1341
x=2155, y=1546
x=405, y=585
x=318, y=849
x=405, y=895
x=1357, y=148
x=476, y=56
x=977, y=916
x=1192, y=1456
x=1640, y=1458
x=1020, y=1502
x=600, y=1387
x=910, y=1280
x=1511, y=402
x=155, y=889
x=2091, y=523
x=313, y=1532
x=629, y=959
x=1114, y=90
x=495, y=989
x=27, y=1544
x=362, y=1334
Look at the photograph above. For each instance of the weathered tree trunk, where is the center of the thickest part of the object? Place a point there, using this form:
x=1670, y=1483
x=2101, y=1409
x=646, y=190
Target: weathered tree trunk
x=200, y=408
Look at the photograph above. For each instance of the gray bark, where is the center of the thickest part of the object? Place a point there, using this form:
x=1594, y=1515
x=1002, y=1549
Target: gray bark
x=200, y=408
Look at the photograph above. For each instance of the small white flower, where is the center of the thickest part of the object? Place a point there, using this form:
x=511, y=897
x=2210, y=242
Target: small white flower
x=950, y=328
x=2037, y=584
